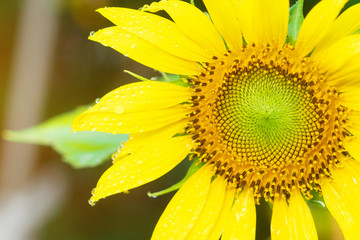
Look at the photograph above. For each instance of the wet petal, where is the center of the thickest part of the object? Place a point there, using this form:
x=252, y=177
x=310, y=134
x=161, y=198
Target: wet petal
x=226, y=21
x=334, y=57
x=135, y=108
x=140, y=96
x=280, y=220
x=302, y=225
x=241, y=222
x=293, y=221
x=347, y=23
x=220, y=224
x=185, y=15
x=138, y=141
x=159, y=31
x=141, y=167
x=144, y=52
x=185, y=208
x=317, y=24
x=212, y=208
x=263, y=21
x=342, y=197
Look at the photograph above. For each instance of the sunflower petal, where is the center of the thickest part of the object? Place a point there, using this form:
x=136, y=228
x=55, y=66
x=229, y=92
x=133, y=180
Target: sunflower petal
x=141, y=167
x=138, y=141
x=185, y=15
x=142, y=96
x=347, y=76
x=347, y=23
x=159, y=31
x=341, y=197
x=144, y=52
x=104, y=120
x=241, y=221
x=275, y=19
x=317, y=24
x=334, y=58
x=185, y=208
x=209, y=214
x=226, y=21
x=302, y=225
x=280, y=220
x=293, y=221
x=220, y=224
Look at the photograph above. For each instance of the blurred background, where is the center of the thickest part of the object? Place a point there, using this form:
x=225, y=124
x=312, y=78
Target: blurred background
x=47, y=67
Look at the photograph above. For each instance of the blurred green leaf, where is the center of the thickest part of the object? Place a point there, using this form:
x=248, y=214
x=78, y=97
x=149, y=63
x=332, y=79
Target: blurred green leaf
x=172, y=78
x=80, y=149
x=295, y=21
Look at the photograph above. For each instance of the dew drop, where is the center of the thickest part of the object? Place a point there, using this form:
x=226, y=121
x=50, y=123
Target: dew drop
x=91, y=202
x=92, y=33
x=132, y=46
x=119, y=109
x=97, y=100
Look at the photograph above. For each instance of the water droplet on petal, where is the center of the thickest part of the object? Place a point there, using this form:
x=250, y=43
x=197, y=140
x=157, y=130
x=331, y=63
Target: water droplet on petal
x=97, y=100
x=119, y=109
x=132, y=46
x=92, y=33
x=91, y=202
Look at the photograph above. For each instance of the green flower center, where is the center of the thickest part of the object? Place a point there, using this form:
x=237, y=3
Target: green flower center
x=264, y=115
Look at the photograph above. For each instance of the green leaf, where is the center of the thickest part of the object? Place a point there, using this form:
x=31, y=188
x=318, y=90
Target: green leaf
x=80, y=149
x=193, y=168
x=295, y=21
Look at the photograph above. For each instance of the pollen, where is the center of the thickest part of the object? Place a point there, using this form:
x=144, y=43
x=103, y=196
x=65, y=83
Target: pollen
x=268, y=121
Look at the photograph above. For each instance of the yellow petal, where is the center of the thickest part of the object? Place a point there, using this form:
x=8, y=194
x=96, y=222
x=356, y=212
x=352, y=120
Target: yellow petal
x=184, y=209
x=274, y=20
x=140, y=96
x=226, y=21
x=346, y=77
x=209, y=214
x=159, y=31
x=302, y=224
x=352, y=146
x=141, y=167
x=351, y=97
x=335, y=57
x=241, y=222
x=317, y=24
x=263, y=21
x=347, y=23
x=293, y=221
x=342, y=197
x=144, y=52
x=102, y=120
x=280, y=220
x=138, y=141
x=220, y=224
x=194, y=23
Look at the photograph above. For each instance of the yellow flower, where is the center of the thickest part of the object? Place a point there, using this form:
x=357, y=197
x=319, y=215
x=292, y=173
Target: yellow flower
x=269, y=119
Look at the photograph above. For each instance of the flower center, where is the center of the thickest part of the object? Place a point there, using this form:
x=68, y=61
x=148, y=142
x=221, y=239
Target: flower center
x=266, y=119
x=263, y=116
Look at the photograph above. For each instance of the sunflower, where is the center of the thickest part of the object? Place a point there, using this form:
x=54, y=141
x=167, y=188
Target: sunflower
x=268, y=118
